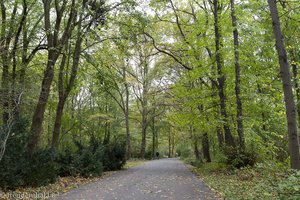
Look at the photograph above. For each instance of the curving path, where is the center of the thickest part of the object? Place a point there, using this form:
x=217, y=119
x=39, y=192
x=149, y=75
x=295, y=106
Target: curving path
x=158, y=179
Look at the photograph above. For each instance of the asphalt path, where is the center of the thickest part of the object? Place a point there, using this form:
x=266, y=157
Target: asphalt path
x=153, y=180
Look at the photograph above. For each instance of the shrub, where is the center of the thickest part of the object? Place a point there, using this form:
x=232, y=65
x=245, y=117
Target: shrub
x=85, y=162
x=42, y=168
x=239, y=159
x=67, y=162
x=89, y=163
x=114, y=156
x=14, y=164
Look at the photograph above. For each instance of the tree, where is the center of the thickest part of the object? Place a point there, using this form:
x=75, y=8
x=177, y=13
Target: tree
x=217, y=8
x=56, y=40
x=293, y=136
x=239, y=106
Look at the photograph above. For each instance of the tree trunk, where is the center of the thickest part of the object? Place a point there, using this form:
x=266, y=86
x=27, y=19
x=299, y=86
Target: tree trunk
x=196, y=149
x=293, y=137
x=153, y=136
x=144, y=103
x=38, y=116
x=220, y=137
x=126, y=113
x=57, y=124
x=143, y=144
x=4, y=47
x=205, y=146
x=239, y=106
x=169, y=140
x=221, y=77
x=297, y=89
x=64, y=93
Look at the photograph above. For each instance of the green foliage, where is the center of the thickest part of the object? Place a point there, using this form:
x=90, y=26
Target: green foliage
x=238, y=159
x=17, y=168
x=268, y=180
x=92, y=160
x=42, y=168
x=289, y=186
x=89, y=163
x=115, y=156
x=14, y=164
x=84, y=162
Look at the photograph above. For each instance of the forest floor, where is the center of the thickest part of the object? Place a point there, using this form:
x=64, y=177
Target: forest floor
x=157, y=179
x=267, y=181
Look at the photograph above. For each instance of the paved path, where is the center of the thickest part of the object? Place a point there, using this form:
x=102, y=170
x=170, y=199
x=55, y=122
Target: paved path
x=154, y=180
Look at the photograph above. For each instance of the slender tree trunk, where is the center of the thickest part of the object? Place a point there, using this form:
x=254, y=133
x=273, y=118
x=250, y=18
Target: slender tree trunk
x=221, y=77
x=297, y=89
x=196, y=149
x=126, y=113
x=293, y=137
x=205, y=146
x=4, y=52
x=169, y=140
x=220, y=137
x=143, y=144
x=64, y=93
x=153, y=136
x=239, y=106
x=144, y=109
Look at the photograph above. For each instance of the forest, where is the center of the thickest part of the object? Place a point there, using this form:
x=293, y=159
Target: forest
x=88, y=84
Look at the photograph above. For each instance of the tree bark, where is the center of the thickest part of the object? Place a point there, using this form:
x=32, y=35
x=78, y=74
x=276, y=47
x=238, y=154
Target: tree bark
x=239, y=106
x=293, y=137
x=297, y=89
x=221, y=77
x=38, y=116
x=126, y=114
x=205, y=146
x=144, y=103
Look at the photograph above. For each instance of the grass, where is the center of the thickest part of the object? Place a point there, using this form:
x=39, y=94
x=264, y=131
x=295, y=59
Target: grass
x=264, y=181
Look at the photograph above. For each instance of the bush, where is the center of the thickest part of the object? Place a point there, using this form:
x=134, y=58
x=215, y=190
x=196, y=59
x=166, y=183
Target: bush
x=42, y=168
x=18, y=169
x=14, y=164
x=90, y=164
x=92, y=160
x=114, y=156
x=67, y=162
x=238, y=159
x=84, y=162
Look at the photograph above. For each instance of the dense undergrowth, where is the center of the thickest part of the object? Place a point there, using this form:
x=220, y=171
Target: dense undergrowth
x=269, y=180
x=45, y=166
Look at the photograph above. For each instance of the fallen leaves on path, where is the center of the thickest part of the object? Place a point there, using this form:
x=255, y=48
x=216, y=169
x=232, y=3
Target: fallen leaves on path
x=62, y=185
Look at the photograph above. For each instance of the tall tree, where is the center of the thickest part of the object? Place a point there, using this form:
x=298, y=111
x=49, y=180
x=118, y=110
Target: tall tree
x=56, y=39
x=239, y=106
x=293, y=137
x=217, y=8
